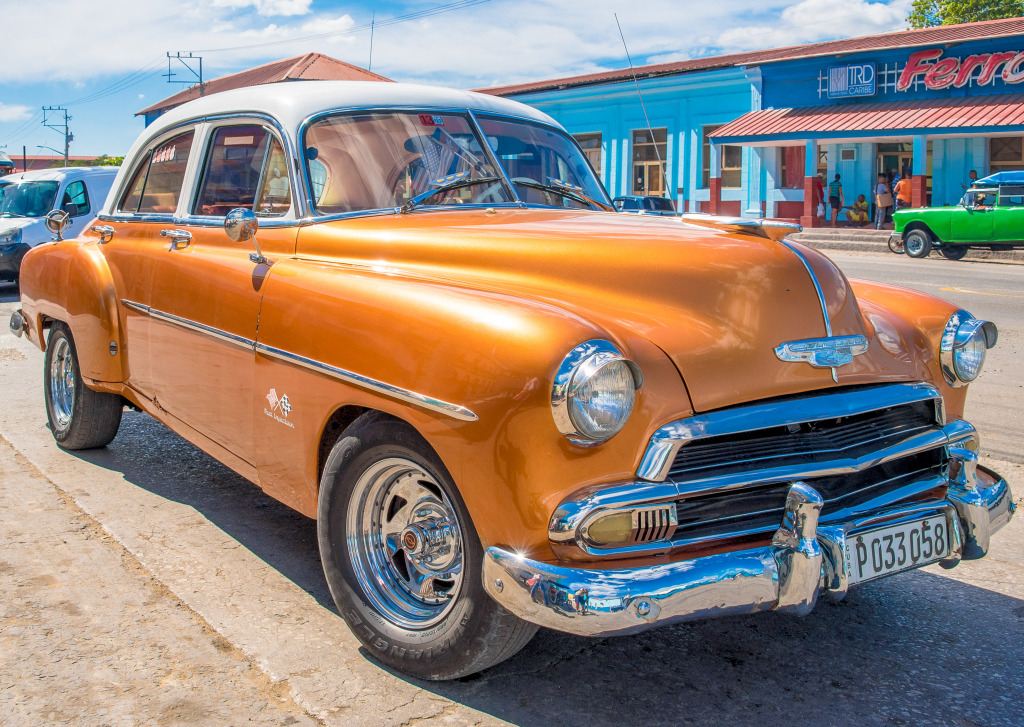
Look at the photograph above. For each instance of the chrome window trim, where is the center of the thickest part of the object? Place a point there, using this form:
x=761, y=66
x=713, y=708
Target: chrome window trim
x=666, y=441
x=288, y=142
x=303, y=168
x=395, y=392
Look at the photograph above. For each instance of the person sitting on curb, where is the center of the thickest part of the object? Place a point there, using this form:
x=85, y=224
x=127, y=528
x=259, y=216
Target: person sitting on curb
x=858, y=214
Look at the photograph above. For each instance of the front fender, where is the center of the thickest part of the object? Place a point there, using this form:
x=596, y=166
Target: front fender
x=491, y=353
x=70, y=281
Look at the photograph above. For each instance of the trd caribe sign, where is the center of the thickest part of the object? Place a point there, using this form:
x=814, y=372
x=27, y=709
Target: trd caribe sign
x=851, y=81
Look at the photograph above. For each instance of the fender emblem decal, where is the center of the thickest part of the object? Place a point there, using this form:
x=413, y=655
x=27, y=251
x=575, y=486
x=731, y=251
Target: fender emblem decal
x=823, y=353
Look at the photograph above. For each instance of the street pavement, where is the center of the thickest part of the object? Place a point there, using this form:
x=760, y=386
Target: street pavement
x=147, y=584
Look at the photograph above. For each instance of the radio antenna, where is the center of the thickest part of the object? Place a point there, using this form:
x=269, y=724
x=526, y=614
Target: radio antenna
x=661, y=163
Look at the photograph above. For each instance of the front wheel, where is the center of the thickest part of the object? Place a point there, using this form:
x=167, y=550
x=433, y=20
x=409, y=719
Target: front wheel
x=79, y=417
x=402, y=559
x=918, y=243
x=953, y=252
x=896, y=245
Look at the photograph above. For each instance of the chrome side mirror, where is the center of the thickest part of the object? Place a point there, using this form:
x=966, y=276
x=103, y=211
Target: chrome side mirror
x=241, y=225
x=56, y=222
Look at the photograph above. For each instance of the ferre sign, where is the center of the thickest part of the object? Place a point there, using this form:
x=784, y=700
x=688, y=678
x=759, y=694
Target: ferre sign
x=939, y=73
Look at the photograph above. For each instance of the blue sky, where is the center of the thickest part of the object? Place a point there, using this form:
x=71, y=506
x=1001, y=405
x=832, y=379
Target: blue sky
x=104, y=59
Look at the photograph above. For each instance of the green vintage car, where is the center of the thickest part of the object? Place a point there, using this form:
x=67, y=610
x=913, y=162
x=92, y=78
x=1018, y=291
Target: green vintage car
x=991, y=215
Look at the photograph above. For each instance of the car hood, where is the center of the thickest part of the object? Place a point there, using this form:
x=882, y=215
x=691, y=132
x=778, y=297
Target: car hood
x=717, y=304
x=13, y=223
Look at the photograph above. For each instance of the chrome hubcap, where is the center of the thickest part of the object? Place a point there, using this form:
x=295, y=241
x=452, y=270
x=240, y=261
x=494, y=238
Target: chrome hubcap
x=405, y=543
x=62, y=383
x=914, y=243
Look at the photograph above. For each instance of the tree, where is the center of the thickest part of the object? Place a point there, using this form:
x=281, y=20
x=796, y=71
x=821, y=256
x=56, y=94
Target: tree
x=928, y=13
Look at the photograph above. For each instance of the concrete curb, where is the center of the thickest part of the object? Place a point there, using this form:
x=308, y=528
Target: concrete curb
x=874, y=243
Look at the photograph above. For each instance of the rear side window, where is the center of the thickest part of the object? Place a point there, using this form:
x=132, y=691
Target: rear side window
x=245, y=168
x=630, y=203
x=77, y=195
x=156, y=184
x=1011, y=197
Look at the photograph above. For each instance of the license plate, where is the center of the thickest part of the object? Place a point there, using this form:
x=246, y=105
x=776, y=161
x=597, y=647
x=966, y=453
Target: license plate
x=899, y=547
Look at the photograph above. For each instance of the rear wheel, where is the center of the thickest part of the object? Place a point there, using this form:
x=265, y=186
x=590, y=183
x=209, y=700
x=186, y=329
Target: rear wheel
x=953, y=252
x=402, y=559
x=918, y=243
x=79, y=417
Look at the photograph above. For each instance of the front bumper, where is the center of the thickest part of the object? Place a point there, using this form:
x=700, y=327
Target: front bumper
x=10, y=260
x=802, y=563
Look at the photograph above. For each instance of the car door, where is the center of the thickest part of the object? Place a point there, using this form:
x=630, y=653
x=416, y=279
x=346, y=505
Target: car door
x=132, y=245
x=972, y=221
x=207, y=289
x=1009, y=215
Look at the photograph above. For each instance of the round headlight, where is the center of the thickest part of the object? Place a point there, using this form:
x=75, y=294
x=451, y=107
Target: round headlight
x=10, y=237
x=965, y=343
x=594, y=392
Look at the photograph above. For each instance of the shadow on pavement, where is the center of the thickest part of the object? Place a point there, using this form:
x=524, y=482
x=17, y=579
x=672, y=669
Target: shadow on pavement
x=916, y=649
x=8, y=293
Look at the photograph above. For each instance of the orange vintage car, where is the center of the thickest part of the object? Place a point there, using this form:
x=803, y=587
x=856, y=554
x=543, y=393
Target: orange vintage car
x=413, y=314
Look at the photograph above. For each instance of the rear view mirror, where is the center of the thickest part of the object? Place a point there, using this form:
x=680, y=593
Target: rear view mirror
x=72, y=209
x=56, y=222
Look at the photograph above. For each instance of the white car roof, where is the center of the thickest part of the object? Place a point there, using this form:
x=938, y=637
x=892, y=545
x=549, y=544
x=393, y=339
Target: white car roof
x=294, y=102
x=59, y=174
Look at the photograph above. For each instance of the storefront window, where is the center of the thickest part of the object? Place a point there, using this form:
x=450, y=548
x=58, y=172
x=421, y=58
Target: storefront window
x=591, y=145
x=1006, y=153
x=792, y=167
x=649, y=155
x=732, y=163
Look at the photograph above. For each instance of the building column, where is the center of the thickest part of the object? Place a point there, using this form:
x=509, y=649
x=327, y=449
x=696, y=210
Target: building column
x=770, y=161
x=810, y=215
x=919, y=183
x=715, y=181
x=755, y=161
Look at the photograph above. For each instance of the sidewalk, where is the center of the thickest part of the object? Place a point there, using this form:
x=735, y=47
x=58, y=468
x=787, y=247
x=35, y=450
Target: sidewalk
x=856, y=239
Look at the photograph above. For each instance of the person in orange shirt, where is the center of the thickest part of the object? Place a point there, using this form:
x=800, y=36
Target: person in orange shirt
x=903, y=192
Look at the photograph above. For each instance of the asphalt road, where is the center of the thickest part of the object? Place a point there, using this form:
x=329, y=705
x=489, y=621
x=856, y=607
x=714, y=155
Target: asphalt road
x=931, y=647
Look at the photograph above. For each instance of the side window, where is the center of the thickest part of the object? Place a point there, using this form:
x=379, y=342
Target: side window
x=1011, y=196
x=245, y=167
x=77, y=195
x=156, y=184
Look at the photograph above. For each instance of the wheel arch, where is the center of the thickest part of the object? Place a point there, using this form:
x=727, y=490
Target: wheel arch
x=923, y=226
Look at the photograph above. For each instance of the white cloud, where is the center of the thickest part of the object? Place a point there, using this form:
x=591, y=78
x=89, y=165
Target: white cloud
x=269, y=7
x=12, y=112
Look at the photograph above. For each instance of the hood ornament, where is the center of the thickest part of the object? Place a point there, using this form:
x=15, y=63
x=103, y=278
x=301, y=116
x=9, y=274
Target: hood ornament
x=823, y=353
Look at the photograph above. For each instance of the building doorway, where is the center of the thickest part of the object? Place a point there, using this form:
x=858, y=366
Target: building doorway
x=892, y=159
x=650, y=150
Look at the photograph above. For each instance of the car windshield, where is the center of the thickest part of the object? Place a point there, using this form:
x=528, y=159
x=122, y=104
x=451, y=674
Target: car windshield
x=27, y=199
x=382, y=160
x=659, y=204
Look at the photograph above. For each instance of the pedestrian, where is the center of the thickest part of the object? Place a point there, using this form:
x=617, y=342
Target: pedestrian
x=883, y=200
x=835, y=198
x=972, y=177
x=818, y=199
x=903, y=194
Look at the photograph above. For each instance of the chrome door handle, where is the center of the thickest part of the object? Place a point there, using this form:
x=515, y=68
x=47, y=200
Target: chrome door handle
x=106, y=232
x=180, y=239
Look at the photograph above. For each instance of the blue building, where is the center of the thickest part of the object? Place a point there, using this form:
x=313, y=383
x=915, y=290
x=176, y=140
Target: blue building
x=748, y=133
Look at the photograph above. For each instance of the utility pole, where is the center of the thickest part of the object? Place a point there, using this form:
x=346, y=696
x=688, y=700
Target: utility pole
x=68, y=136
x=192, y=63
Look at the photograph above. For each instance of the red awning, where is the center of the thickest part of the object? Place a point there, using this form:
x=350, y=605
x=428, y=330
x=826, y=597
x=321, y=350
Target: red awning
x=945, y=116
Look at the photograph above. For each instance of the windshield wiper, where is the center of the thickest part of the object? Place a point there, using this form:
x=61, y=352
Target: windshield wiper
x=445, y=184
x=564, y=189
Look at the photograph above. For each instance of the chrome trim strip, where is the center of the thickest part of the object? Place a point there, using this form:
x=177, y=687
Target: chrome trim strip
x=817, y=287
x=137, y=307
x=218, y=334
x=410, y=397
x=665, y=443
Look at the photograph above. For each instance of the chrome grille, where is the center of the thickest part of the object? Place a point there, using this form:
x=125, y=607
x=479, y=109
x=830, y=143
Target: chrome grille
x=803, y=443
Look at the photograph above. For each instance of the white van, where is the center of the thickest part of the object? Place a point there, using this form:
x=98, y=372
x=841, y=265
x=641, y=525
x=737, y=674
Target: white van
x=26, y=198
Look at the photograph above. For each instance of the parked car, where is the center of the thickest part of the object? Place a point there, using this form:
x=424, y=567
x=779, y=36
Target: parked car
x=26, y=198
x=646, y=205
x=412, y=314
x=990, y=215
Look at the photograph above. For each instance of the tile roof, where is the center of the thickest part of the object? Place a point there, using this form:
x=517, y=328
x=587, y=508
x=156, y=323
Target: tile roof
x=833, y=121
x=309, y=67
x=886, y=41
